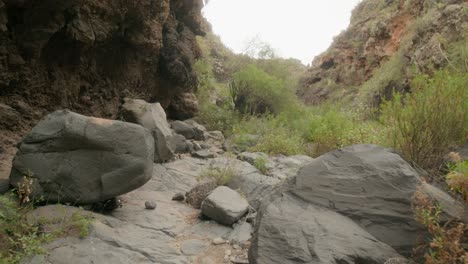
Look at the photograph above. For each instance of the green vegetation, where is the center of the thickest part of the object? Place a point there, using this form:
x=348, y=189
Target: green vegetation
x=22, y=236
x=18, y=238
x=261, y=164
x=253, y=91
x=448, y=244
x=457, y=177
x=431, y=120
x=221, y=176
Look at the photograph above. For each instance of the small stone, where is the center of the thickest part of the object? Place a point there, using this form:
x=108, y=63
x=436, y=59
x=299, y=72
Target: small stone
x=196, y=146
x=150, y=205
x=227, y=252
x=235, y=246
x=218, y=241
x=203, y=154
x=178, y=197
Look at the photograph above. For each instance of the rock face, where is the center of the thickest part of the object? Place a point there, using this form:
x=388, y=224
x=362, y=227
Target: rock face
x=78, y=159
x=87, y=56
x=224, y=205
x=152, y=117
x=291, y=230
x=387, y=37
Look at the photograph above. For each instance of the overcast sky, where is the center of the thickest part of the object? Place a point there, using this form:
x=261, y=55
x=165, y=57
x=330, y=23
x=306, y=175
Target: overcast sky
x=299, y=29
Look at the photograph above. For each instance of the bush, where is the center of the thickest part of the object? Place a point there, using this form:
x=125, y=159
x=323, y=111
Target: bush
x=275, y=135
x=449, y=241
x=280, y=141
x=221, y=176
x=425, y=124
x=255, y=92
x=331, y=128
x=18, y=239
x=457, y=179
x=261, y=164
x=221, y=118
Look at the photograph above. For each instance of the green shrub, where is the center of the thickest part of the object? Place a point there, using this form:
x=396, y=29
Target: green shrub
x=255, y=92
x=221, y=118
x=280, y=141
x=221, y=176
x=261, y=164
x=457, y=179
x=425, y=124
x=330, y=128
x=18, y=238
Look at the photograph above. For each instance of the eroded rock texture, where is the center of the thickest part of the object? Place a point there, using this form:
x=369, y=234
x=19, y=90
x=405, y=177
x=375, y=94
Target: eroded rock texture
x=86, y=55
x=385, y=40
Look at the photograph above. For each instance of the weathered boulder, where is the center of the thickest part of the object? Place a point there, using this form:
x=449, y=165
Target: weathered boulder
x=152, y=117
x=293, y=231
x=224, y=205
x=188, y=129
x=181, y=144
x=373, y=186
x=78, y=159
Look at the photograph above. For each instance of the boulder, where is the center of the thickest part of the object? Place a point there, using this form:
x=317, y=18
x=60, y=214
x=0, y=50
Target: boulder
x=152, y=117
x=197, y=194
x=181, y=144
x=291, y=230
x=373, y=186
x=72, y=158
x=224, y=205
x=189, y=131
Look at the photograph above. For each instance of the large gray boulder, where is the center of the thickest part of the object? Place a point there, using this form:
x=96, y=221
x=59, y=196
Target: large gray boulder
x=72, y=158
x=294, y=231
x=374, y=187
x=152, y=117
x=224, y=205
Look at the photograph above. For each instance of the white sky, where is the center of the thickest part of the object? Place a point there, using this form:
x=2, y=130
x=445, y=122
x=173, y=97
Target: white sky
x=299, y=29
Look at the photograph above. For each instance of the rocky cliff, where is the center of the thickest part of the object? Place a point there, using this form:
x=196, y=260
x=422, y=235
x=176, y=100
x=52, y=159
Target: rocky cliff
x=86, y=55
x=384, y=43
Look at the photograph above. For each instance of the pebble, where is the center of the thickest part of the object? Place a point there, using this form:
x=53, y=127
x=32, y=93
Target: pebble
x=178, y=197
x=218, y=241
x=150, y=205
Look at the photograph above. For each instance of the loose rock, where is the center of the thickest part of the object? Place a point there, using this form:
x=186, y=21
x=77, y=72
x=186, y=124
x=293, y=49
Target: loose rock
x=152, y=117
x=203, y=154
x=178, y=197
x=224, y=205
x=218, y=241
x=150, y=205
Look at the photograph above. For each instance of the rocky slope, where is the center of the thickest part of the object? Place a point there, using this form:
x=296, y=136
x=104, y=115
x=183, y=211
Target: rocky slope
x=384, y=42
x=87, y=55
